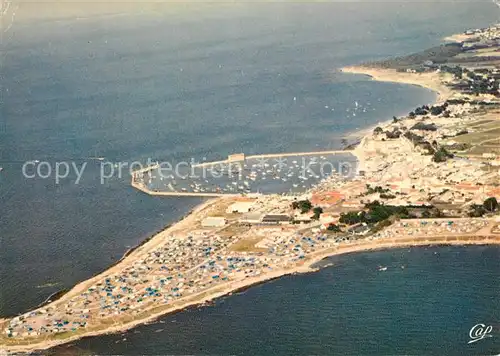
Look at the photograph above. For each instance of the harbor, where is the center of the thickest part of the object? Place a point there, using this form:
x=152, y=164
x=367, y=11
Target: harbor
x=284, y=173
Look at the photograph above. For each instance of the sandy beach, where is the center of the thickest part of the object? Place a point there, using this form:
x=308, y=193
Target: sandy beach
x=432, y=81
x=459, y=37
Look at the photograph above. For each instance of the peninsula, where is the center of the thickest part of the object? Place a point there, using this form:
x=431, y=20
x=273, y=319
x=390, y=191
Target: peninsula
x=430, y=177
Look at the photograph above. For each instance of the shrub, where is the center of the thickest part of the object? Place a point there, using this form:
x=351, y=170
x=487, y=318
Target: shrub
x=491, y=204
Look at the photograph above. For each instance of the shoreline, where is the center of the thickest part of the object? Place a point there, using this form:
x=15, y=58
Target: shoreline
x=431, y=83
x=240, y=286
x=458, y=38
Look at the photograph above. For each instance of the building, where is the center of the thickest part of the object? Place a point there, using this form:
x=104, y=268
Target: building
x=303, y=218
x=251, y=218
x=276, y=219
x=214, y=221
x=240, y=207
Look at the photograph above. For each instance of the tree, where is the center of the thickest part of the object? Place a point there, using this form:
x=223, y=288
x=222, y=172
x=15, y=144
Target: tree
x=394, y=134
x=426, y=214
x=441, y=155
x=317, y=212
x=303, y=205
x=334, y=228
x=421, y=111
x=378, y=130
x=387, y=196
x=491, y=204
x=437, y=110
x=424, y=127
x=352, y=217
x=477, y=211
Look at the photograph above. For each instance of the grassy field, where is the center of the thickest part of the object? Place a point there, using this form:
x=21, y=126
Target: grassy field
x=477, y=138
x=485, y=138
x=478, y=123
x=233, y=230
x=481, y=149
x=485, y=126
x=247, y=244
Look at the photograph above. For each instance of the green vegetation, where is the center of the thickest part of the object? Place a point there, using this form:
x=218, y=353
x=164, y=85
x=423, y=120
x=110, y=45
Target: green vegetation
x=418, y=61
x=491, y=204
x=441, y=155
x=424, y=127
x=456, y=71
x=423, y=110
x=414, y=138
x=439, y=109
x=477, y=211
x=375, y=213
x=377, y=189
x=387, y=196
x=303, y=205
x=333, y=228
x=394, y=134
x=381, y=225
x=317, y=212
x=478, y=137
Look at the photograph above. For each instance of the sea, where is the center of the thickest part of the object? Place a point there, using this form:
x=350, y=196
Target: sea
x=201, y=82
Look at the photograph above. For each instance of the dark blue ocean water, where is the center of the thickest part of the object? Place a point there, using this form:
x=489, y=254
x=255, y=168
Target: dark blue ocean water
x=175, y=86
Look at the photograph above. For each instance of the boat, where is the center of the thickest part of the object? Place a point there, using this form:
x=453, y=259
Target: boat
x=380, y=268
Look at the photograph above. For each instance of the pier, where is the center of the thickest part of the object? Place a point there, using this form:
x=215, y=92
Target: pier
x=144, y=189
x=242, y=157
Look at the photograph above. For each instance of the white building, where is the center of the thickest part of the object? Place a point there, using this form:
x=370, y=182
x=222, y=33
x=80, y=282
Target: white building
x=251, y=218
x=241, y=207
x=214, y=221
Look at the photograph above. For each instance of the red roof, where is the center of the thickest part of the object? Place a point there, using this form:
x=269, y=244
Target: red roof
x=329, y=198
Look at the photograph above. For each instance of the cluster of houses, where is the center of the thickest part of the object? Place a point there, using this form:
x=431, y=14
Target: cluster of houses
x=488, y=33
x=248, y=214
